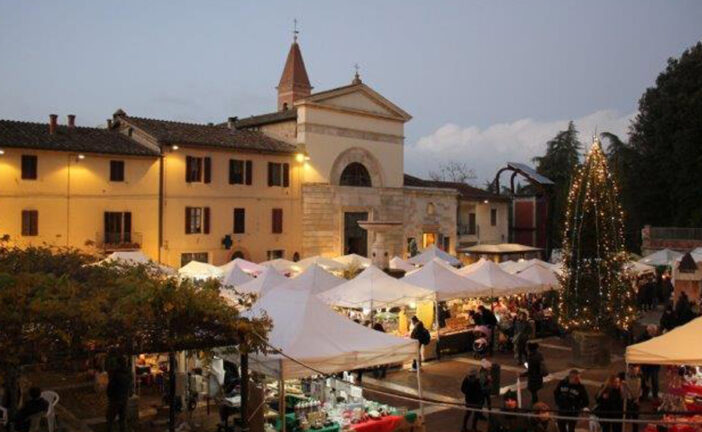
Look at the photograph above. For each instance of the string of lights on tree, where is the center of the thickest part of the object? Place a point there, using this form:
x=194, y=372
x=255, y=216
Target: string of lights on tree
x=596, y=293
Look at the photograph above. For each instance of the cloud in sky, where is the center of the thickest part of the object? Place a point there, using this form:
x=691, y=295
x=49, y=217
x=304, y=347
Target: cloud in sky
x=487, y=150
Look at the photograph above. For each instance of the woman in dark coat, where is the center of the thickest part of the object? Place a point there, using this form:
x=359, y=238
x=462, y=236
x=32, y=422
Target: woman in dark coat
x=610, y=404
x=536, y=370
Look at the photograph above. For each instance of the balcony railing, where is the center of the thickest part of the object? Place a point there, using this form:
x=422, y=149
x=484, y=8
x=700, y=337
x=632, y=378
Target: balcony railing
x=115, y=241
x=467, y=230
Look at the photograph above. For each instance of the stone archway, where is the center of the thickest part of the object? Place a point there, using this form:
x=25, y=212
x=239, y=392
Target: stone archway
x=360, y=156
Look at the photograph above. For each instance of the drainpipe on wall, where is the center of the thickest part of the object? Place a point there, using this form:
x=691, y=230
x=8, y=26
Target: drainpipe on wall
x=161, y=173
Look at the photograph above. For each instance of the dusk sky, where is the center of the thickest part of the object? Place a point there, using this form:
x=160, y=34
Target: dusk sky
x=486, y=82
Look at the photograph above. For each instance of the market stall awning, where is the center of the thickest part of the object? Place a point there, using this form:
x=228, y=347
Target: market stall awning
x=499, y=281
x=246, y=266
x=663, y=257
x=373, y=288
x=266, y=281
x=499, y=249
x=638, y=268
x=201, y=271
x=400, y=264
x=445, y=281
x=326, y=263
x=280, y=264
x=235, y=277
x=307, y=330
x=315, y=279
x=353, y=259
x=432, y=252
x=543, y=278
x=134, y=258
x=680, y=346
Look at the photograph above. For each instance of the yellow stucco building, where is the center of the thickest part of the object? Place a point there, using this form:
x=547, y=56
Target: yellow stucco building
x=292, y=183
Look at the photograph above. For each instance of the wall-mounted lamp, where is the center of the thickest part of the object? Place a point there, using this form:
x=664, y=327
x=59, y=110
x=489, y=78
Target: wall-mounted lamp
x=302, y=157
x=174, y=147
x=2, y=152
x=81, y=156
x=486, y=201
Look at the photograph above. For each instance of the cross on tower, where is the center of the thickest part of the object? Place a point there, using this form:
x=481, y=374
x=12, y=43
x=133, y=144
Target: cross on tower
x=357, y=76
x=295, y=30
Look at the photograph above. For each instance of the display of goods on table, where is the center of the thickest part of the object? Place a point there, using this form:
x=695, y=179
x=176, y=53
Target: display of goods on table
x=677, y=424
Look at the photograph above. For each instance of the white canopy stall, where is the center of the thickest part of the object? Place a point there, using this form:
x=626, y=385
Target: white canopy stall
x=663, y=257
x=680, y=346
x=315, y=279
x=638, y=268
x=266, y=281
x=235, y=277
x=353, y=259
x=246, y=266
x=280, y=264
x=499, y=281
x=373, y=288
x=326, y=263
x=134, y=258
x=445, y=282
x=200, y=271
x=432, y=252
x=542, y=277
x=398, y=263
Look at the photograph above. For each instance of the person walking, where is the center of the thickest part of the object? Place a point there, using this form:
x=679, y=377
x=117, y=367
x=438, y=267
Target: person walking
x=650, y=372
x=668, y=319
x=543, y=421
x=473, y=394
x=631, y=392
x=420, y=334
x=485, y=377
x=536, y=371
x=610, y=405
x=571, y=398
x=118, y=394
x=490, y=321
x=521, y=337
x=506, y=421
x=380, y=371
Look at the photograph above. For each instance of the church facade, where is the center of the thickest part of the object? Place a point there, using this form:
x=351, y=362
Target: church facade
x=291, y=183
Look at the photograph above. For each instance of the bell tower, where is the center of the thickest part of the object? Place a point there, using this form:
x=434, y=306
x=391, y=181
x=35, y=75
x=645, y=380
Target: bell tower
x=294, y=83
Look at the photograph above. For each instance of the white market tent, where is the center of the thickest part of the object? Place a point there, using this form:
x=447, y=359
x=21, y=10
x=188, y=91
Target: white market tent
x=679, y=346
x=511, y=267
x=134, y=258
x=638, y=268
x=398, y=263
x=663, y=257
x=326, y=263
x=200, y=271
x=514, y=267
x=499, y=281
x=445, y=282
x=432, y=252
x=543, y=278
x=246, y=266
x=314, y=279
x=235, y=277
x=310, y=332
x=266, y=281
x=353, y=259
x=280, y=264
x=373, y=288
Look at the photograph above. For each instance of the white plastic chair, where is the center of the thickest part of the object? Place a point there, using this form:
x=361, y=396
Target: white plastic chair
x=52, y=398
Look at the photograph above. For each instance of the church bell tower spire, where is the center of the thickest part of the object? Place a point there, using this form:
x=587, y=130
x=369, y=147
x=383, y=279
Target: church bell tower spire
x=294, y=83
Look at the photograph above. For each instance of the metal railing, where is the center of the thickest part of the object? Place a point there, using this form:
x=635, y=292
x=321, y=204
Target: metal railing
x=116, y=241
x=467, y=230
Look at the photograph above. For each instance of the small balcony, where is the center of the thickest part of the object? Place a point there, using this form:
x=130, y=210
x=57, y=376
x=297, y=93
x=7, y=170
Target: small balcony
x=467, y=230
x=118, y=241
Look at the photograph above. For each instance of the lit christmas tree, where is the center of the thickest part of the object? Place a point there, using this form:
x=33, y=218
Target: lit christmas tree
x=596, y=294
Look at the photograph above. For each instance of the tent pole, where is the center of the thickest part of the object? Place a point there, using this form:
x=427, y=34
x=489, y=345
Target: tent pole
x=419, y=380
x=281, y=398
x=436, y=321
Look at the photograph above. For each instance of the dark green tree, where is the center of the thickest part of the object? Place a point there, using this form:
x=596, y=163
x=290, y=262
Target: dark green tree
x=596, y=294
x=562, y=155
x=666, y=138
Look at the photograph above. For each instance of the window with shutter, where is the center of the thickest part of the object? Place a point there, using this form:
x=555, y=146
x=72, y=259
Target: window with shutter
x=29, y=167
x=193, y=220
x=286, y=175
x=239, y=221
x=206, y=224
x=30, y=223
x=236, y=171
x=275, y=174
x=193, y=169
x=249, y=171
x=277, y=221
x=208, y=169
x=116, y=171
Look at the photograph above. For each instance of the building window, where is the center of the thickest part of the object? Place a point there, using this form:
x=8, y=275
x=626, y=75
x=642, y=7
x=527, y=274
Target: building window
x=193, y=256
x=355, y=174
x=278, y=174
x=239, y=221
x=240, y=171
x=493, y=217
x=275, y=254
x=118, y=228
x=277, y=221
x=431, y=209
x=198, y=169
x=446, y=243
x=29, y=167
x=428, y=239
x=30, y=223
x=116, y=171
x=471, y=224
x=197, y=220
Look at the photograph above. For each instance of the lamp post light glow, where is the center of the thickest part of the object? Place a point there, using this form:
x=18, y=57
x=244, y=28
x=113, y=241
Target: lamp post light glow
x=2, y=152
x=81, y=156
x=174, y=147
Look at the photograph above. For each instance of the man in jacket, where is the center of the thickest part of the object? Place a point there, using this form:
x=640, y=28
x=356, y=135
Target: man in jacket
x=473, y=394
x=571, y=398
x=506, y=421
x=420, y=334
x=118, y=394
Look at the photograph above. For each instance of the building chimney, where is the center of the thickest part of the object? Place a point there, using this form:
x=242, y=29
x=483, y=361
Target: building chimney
x=53, y=118
x=231, y=122
x=109, y=124
x=71, y=120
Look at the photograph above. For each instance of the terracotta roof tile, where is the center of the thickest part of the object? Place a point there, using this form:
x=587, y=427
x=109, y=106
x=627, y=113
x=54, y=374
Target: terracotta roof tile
x=18, y=134
x=264, y=119
x=466, y=191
